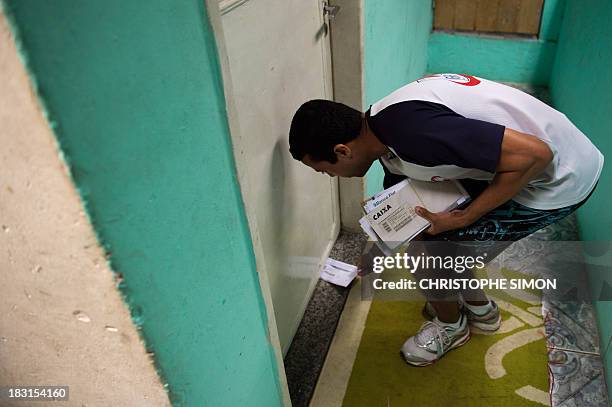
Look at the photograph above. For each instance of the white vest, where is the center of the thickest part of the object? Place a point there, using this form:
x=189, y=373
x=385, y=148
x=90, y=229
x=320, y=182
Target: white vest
x=576, y=163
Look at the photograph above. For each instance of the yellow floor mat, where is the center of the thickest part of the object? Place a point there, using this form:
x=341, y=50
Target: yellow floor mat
x=509, y=368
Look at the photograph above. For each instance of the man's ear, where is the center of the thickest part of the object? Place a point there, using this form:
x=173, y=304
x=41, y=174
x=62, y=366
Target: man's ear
x=343, y=151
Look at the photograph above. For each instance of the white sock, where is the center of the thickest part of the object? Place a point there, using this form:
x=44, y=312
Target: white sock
x=480, y=309
x=453, y=325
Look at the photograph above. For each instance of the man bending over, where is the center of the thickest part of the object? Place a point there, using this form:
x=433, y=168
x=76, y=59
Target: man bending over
x=524, y=163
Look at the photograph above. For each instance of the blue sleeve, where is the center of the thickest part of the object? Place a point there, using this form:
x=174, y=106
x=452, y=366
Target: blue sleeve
x=430, y=134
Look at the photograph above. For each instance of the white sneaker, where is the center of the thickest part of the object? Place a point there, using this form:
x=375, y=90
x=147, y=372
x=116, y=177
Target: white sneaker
x=489, y=322
x=434, y=340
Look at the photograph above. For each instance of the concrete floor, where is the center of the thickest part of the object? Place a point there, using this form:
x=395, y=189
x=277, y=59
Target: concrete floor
x=307, y=353
x=338, y=366
x=62, y=319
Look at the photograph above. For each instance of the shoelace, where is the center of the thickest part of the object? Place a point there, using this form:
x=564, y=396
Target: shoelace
x=430, y=333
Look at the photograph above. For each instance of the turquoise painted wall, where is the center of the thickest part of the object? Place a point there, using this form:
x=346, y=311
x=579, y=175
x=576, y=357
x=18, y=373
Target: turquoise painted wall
x=134, y=92
x=581, y=87
x=396, y=38
x=497, y=58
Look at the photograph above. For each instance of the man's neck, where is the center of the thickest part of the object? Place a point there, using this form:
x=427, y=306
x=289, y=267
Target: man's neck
x=371, y=143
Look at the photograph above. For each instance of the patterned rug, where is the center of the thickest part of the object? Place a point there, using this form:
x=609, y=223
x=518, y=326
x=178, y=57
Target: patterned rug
x=507, y=368
x=528, y=362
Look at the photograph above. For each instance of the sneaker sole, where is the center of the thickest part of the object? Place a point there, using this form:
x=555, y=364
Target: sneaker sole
x=457, y=344
x=486, y=327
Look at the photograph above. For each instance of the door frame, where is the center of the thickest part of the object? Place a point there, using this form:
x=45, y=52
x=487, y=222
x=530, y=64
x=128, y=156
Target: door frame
x=348, y=73
x=346, y=193
x=214, y=15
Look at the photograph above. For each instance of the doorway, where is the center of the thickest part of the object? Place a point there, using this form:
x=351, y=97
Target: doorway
x=278, y=56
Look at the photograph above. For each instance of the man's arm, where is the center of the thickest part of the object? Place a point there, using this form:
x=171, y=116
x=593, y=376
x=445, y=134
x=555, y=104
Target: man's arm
x=522, y=158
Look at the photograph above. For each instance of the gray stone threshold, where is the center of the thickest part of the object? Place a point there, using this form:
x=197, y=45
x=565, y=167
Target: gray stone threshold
x=306, y=355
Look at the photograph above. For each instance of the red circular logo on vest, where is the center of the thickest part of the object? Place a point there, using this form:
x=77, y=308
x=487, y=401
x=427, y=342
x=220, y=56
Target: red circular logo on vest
x=437, y=178
x=465, y=80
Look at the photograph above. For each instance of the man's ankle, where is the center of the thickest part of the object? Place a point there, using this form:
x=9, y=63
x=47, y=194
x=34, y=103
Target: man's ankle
x=455, y=325
x=480, y=309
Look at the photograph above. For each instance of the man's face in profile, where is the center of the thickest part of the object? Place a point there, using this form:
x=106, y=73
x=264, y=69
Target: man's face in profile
x=348, y=164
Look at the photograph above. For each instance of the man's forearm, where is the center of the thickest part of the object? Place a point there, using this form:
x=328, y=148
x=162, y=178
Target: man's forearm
x=504, y=187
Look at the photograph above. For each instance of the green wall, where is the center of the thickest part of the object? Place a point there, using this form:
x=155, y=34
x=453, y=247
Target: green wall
x=581, y=88
x=396, y=38
x=134, y=94
x=497, y=58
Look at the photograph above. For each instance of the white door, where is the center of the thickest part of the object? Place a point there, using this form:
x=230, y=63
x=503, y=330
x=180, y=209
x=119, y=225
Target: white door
x=278, y=53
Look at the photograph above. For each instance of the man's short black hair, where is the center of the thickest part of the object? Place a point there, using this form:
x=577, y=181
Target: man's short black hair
x=318, y=125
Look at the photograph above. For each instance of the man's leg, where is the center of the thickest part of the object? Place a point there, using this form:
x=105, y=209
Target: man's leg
x=449, y=328
x=445, y=301
x=491, y=235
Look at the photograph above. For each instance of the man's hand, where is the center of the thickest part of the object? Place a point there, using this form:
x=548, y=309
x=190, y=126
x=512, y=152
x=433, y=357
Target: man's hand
x=443, y=221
